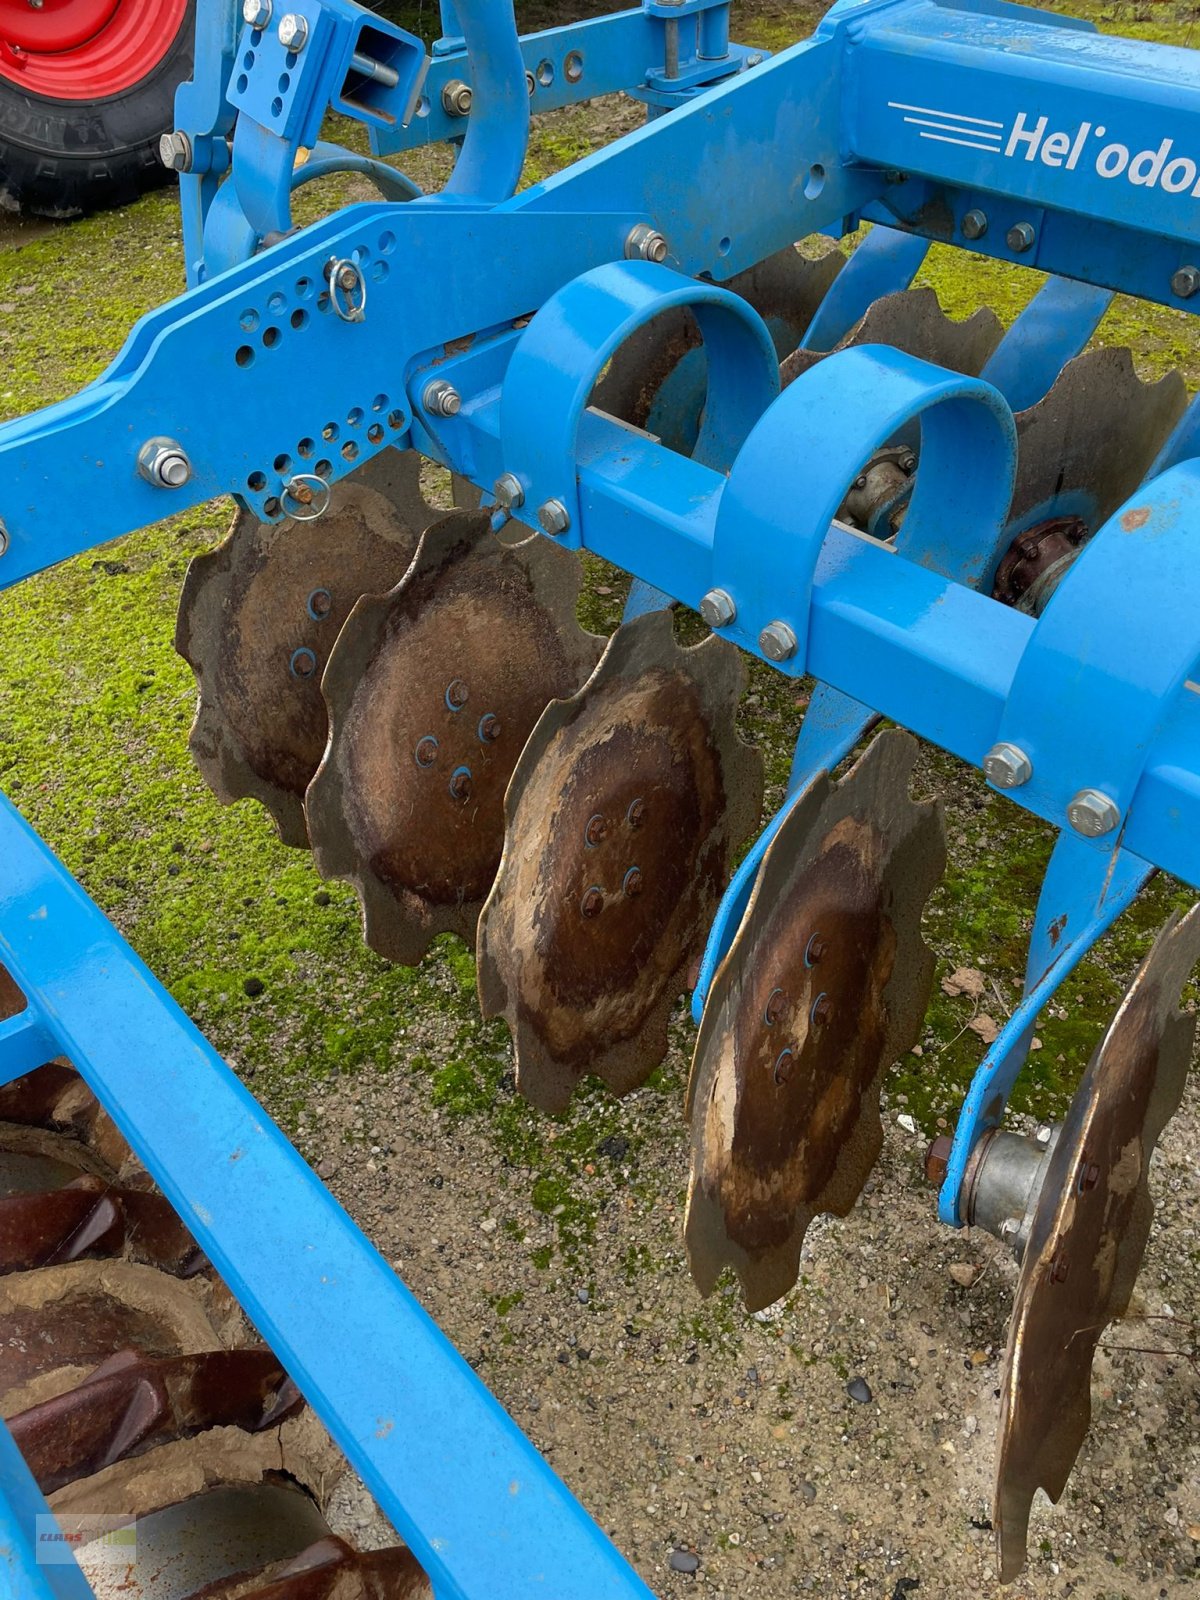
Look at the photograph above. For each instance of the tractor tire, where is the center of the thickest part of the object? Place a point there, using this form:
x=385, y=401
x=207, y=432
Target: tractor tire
x=81, y=112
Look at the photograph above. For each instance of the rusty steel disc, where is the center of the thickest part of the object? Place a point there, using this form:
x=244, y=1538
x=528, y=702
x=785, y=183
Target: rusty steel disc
x=824, y=987
x=912, y=320
x=257, y=620
x=1089, y=1234
x=623, y=818
x=1084, y=448
x=432, y=691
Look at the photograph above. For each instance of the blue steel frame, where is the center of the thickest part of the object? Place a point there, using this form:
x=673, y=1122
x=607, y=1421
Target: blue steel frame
x=1084, y=155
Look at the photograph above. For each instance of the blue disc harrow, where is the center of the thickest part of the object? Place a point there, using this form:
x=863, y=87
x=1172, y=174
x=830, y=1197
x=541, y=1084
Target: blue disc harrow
x=664, y=356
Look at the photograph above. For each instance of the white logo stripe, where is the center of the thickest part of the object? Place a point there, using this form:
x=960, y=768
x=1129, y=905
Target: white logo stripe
x=953, y=127
x=971, y=144
x=952, y=116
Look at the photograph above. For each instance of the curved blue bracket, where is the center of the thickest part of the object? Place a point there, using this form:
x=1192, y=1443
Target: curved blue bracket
x=492, y=155
x=884, y=262
x=1110, y=654
x=792, y=473
x=1083, y=894
x=561, y=354
x=1051, y=330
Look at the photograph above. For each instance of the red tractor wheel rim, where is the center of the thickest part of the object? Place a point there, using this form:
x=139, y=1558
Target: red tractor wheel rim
x=85, y=49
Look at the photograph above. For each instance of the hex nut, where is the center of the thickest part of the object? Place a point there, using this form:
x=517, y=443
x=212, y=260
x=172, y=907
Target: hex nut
x=644, y=243
x=441, y=399
x=457, y=98
x=164, y=463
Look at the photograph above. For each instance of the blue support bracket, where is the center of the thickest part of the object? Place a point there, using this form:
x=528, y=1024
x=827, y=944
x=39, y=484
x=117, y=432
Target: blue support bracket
x=35, y=1561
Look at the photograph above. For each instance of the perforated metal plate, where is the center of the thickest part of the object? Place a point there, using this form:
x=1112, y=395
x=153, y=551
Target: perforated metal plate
x=258, y=617
x=623, y=819
x=432, y=691
x=913, y=321
x=1089, y=1235
x=1085, y=448
x=825, y=985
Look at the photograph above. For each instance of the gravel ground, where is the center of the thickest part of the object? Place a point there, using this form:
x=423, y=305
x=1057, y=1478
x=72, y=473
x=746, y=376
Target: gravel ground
x=701, y=1437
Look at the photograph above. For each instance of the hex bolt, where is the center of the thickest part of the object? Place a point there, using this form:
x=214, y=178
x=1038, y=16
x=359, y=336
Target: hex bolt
x=348, y=276
x=632, y=882
x=974, y=224
x=644, y=243
x=822, y=1011
x=456, y=98
x=164, y=463
x=1093, y=814
x=595, y=831
x=636, y=814
x=460, y=783
x=554, y=518
x=508, y=493
x=319, y=604
x=1044, y=1134
x=1089, y=1175
x=777, y=641
x=293, y=33
x=937, y=1159
x=1007, y=766
x=426, y=752
x=441, y=399
x=1020, y=237
x=256, y=12
x=814, y=950
x=489, y=727
x=1060, y=1267
x=717, y=608
x=775, y=1007
x=4, y=539
x=1185, y=282
x=1009, y=1229
x=530, y=83
x=592, y=903
x=457, y=694
x=175, y=152
x=784, y=1062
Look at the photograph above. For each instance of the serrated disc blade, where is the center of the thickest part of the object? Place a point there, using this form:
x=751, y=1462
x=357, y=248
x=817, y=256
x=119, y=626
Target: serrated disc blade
x=785, y=290
x=1085, y=448
x=1089, y=1234
x=913, y=321
x=432, y=691
x=824, y=987
x=623, y=819
x=258, y=617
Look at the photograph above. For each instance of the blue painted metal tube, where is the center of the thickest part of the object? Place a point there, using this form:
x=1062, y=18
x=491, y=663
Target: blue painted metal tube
x=33, y=1563
x=481, y=1509
x=489, y=165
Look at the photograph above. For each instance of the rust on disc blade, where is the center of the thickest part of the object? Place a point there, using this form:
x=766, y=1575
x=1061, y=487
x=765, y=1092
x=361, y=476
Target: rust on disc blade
x=257, y=620
x=1085, y=447
x=785, y=289
x=913, y=321
x=1088, y=1235
x=823, y=988
x=622, y=822
x=432, y=691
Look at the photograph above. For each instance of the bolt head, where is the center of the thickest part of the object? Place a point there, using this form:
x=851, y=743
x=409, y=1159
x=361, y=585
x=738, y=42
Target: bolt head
x=175, y=152
x=293, y=32
x=1007, y=766
x=507, y=492
x=814, y=950
x=937, y=1159
x=4, y=540
x=592, y=903
x=822, y=1011
x=777, y=642
x=717, y=608
x=1060, y=1268
x=457, y=98
x=784, y=1064
x=441, y=399
x=460, y=784
x=554, y=518
x=1185, y=282
x=1044, y=1134
x=1093, y=814
x=775, y=1007
x=1020, y=238
x=489, y=727
x=426, y=752
x=632, y=884
x=457, y=694
x=636, y=814
x=595, y=830
x=974, y=224
x=256, y=12
x=644, y=243
x=1009, y=1229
